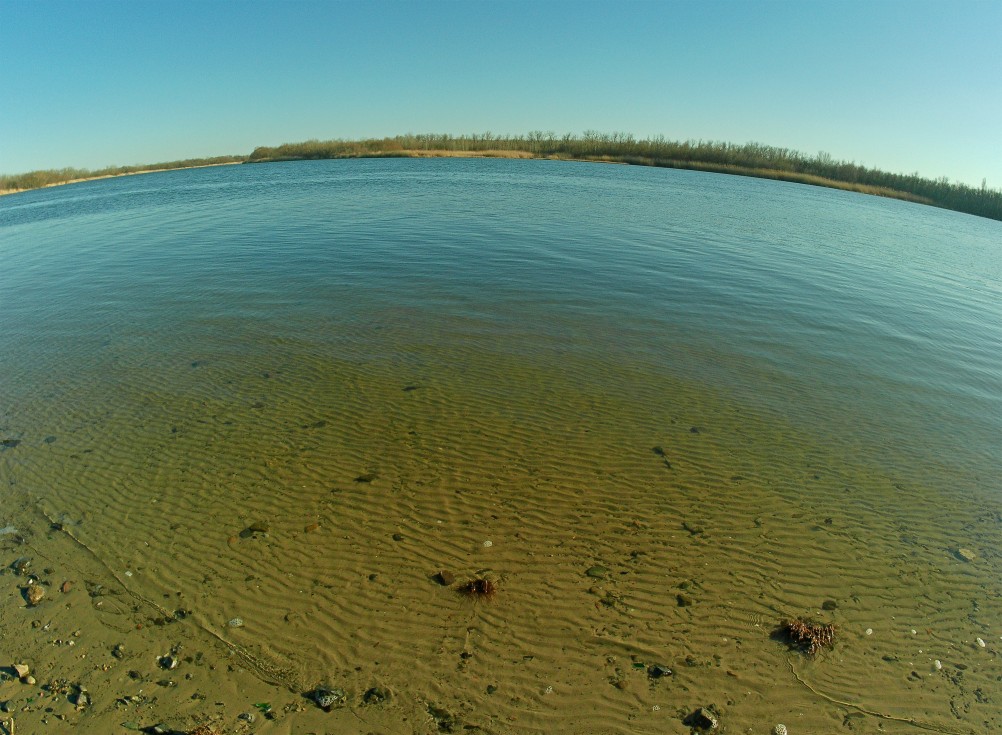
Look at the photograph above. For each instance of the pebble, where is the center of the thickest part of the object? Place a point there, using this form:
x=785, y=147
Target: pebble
x=21, y=670
x=597, y=571
x=30, y=680
x=869, y=631
x=780, y=730
x=168, y=662
x=658, y=670
x=937, y=664
x=965, y=555
x=703, y=719
x=246, y=716
x=34, y=594
x=488, y=544
x=327, y=699
x=235, y=623
x=981, y=642
x=445, y=578
x=375, y=695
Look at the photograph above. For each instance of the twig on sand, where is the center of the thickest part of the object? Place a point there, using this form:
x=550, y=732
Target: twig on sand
x=873, y=713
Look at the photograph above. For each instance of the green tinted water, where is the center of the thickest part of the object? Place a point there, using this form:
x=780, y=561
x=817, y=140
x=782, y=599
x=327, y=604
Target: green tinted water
x=500, y=347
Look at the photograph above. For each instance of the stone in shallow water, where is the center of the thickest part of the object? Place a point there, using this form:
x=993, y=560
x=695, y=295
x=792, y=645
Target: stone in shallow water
x=965, y=555
x=658, y=670
x=375, y=695
x=702, y=719
x=328, y=699
x=34, y=594
x=445, y=578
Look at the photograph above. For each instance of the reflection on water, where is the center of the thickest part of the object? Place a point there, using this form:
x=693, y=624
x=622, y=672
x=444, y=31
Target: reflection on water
x=735, y=399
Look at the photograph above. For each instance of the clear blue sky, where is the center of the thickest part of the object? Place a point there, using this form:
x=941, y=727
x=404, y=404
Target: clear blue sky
x=901, y=85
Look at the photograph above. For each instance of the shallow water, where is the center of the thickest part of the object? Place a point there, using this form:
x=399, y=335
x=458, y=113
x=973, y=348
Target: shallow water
x=394, y=362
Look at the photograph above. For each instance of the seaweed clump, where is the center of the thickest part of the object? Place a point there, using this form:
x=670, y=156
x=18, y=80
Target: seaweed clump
x=479, y=588
x=807, y=635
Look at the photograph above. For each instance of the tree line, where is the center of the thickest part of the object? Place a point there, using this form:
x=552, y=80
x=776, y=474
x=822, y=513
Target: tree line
x=51, y=177
x=748, y=159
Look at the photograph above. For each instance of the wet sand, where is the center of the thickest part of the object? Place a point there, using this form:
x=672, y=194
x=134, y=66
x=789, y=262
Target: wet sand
x=317, y=502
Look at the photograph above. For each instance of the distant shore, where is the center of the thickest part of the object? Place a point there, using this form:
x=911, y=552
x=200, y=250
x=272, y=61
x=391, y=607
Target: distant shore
x=4, y=192
x=527, y=155
x=759, y=173
x=750, y=159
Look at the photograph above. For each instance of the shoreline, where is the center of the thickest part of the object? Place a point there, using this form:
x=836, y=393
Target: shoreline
x=748, y=172
x=6, y=192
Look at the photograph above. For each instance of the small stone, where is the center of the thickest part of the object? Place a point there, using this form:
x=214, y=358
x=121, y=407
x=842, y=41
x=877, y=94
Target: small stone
x=658, y=670
x=780, y=730
x=235, y=622
x=829, y=605
x=246, y=716
x=66, y=586
x=82, y=699
x=118, y=651
x=168, y=662
x=702, y=719
x=22, y=670
x=491, y=688
x=683, y=600
x=29, y=680
x=328, y=699
x=869, y=631
x=597, y=571
x=445, y=578
x=34, y=594
x=375, y=695
x=965, y=555
x=981, y=642
x=398, y=537
x=259, y=527
x=20, y=566
x=937, y=664
x=367, y=477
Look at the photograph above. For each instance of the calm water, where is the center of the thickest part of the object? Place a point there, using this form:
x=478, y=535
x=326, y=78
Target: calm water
x=860, y=321
x=497, y=347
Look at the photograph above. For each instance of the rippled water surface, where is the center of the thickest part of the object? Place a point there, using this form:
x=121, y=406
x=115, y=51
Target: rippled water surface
x=739, y=398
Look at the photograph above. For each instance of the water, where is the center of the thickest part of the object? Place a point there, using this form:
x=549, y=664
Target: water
x=502, y=344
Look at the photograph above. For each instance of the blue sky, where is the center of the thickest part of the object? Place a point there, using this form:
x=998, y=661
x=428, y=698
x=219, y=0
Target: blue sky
x=903, y=86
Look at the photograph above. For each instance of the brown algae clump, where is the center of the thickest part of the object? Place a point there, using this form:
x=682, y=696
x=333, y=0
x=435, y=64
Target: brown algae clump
x=808, y=636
